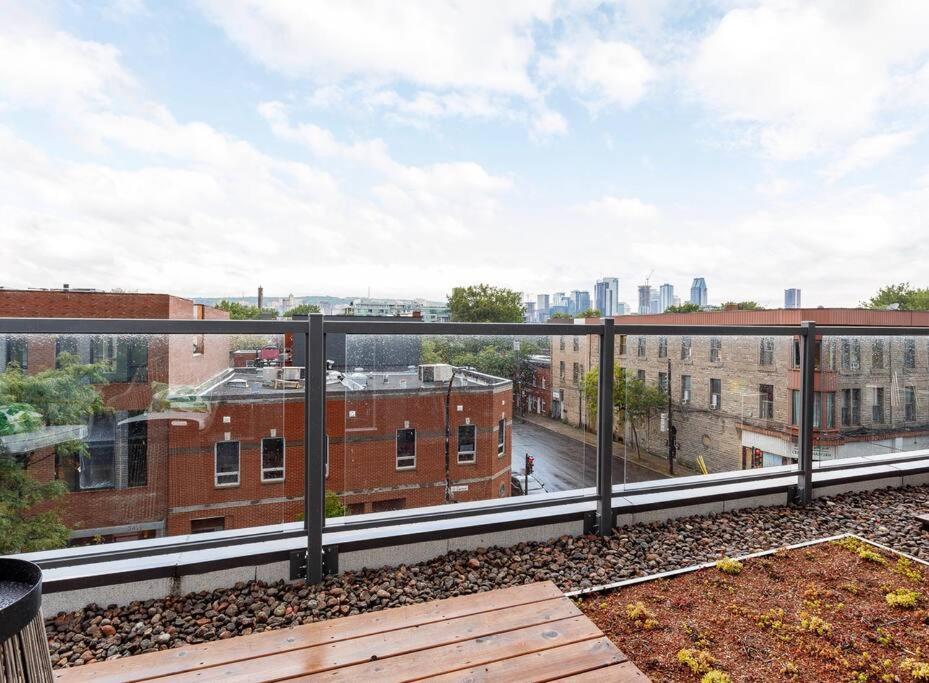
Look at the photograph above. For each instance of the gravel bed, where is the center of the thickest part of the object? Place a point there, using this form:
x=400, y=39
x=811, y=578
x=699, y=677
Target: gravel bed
x=96, y=633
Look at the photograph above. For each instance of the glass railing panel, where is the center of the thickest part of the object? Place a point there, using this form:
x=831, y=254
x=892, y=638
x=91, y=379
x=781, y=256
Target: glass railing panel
x=422, y=420
x=127, y=437
x=693, y=406
x=872, y=398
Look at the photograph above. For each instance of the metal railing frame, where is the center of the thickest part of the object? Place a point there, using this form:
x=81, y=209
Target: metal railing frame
x=315, y=329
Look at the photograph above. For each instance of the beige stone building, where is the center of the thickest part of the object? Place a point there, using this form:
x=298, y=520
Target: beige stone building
x=735, y=400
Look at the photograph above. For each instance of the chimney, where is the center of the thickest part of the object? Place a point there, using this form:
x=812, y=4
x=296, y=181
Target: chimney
x=261, y=297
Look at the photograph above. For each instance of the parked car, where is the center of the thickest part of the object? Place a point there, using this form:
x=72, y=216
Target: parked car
x=517, y=482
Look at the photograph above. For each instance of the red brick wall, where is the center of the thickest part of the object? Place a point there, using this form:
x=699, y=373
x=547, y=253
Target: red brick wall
x=362, y=455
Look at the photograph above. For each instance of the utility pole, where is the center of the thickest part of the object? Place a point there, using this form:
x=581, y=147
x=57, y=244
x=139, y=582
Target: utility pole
x=672, y=430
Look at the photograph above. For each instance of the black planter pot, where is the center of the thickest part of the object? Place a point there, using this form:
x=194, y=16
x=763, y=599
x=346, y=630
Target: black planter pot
x=23, y=646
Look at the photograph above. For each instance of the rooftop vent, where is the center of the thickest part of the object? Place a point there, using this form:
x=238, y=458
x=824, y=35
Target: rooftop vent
x=438, y=372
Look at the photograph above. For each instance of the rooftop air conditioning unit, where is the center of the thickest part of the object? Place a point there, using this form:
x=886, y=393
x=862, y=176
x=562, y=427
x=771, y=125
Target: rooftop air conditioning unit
x=438, y=372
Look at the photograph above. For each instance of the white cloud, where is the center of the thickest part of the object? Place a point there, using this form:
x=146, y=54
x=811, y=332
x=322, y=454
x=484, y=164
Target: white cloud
x=621, y=209
x=601, y=72
x=806, y=75
x=434, y=44
x=51, y=69
x=869, y=151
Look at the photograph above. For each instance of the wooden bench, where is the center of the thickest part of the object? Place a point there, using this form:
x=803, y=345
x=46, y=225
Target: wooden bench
x=526, y=633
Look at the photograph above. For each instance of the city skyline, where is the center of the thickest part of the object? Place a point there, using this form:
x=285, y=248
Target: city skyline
x=210, y=145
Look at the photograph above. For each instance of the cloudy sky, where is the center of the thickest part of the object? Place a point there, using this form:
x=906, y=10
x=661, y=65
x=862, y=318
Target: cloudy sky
x=204, y=148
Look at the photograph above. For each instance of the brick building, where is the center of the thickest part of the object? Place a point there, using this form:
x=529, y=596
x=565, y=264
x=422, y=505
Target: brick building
x=538, y=392
x=572, y=357
x=736, y=400
x=118, y=489
x=243, y=464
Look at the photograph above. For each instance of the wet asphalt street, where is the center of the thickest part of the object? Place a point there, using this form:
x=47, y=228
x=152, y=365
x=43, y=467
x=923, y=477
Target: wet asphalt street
x=563, y=463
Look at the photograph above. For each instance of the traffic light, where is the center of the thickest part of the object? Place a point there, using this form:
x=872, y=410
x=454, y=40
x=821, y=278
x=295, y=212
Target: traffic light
x=530, y=463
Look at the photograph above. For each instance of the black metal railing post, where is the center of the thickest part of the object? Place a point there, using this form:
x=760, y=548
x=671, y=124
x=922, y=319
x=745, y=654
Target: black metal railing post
x=314, y=448
x=605, y=432
x=805, y=434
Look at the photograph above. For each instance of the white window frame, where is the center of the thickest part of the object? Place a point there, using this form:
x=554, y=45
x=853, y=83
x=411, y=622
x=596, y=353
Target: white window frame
x=397, y=455
x=216, y=472
x=282, y=468
x=501, y=442
x=473, y=454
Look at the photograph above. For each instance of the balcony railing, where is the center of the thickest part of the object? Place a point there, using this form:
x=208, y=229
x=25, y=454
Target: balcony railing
x=597, y=504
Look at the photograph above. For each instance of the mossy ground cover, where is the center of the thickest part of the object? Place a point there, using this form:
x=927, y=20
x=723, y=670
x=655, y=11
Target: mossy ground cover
x=835, y=611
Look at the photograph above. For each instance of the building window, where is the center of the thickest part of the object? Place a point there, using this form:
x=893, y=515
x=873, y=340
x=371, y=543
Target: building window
x=561, y=343
x=65, y=345
x=766, y=401
x=909, y=404
x=467, y=443
x=227, y=463
x=137, y=437
x=817, y=409
x=576, y=343
x=207, y=525
x=877, y=405
x=716, y=394
x=795, y=407
x=795, y=354
x=685, y=388
x=198, y=344
x=662, y=347
x=622, y=345
x=575, y=372
x=767, y=351
x=715, y=348
x=663, y=382
x=543, y=382
x=640, y=375
x=561, y=369
x=640, y=347
x=851, y=354
x=909, y=353
x=17, y=352
x=851, y=407
x=389, y=505
x=272, y=458
x=829, y=410
x=877, y=354
x=406, y=449
x=686, y=347
x=501, y=437
x=97, y=463
x=126, y=358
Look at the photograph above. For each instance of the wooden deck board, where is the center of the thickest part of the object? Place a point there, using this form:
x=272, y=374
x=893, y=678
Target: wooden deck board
x=529, y=632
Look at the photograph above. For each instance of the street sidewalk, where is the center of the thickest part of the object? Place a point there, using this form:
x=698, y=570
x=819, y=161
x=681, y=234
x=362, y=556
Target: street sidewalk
x=657, y=464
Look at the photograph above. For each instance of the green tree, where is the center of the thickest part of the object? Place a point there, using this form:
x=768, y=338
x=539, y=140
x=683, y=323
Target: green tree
x=633, y=399
x=742, y=306
x=485, y=304
x=683, y=308
x=66, y=395
x=239, y=311
x=561, y=316
x=302, y=309
x=903, y=295
x=589, y=313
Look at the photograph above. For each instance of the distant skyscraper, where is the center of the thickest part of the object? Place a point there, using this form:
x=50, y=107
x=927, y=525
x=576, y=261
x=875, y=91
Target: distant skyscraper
x=677, y=300
x=645, y=299
x=665, y=297
x=653, y=301
x=541, y=306
x=792, y=298
x=531, y=315
x=698, y=292
x=606, y=296
x=623, y=308
x=581, y=300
